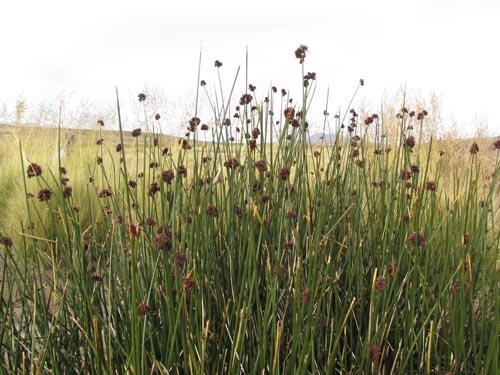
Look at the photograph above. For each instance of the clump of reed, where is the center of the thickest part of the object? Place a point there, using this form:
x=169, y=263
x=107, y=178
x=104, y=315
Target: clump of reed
x=254, y=250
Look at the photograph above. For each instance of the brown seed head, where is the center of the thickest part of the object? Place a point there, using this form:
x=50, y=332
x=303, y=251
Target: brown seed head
x=417, y=239
x=380, y=283
x=265, y=198
x=143, y=309
x=375, y=352
x=163, y=238
x=34, y=170
x=474, y=149
x=153, y=189
x=167, y=176
x=67, y=191
x=188, y=284
x=212, y=211
x=261, y=165
x=6, y=241
x=392, y=268
x=410, y=142
x=304, y=297
x=405, y=175
x=231, y=163
x=300, y=53
x=182, y=171
x=105, y=193
x=287, y=245
x=44, y=195
x=284, y=173
x=430, y=186
x=134, y=230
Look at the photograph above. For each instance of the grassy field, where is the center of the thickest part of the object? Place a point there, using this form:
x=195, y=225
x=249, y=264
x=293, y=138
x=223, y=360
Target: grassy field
x=143, y=254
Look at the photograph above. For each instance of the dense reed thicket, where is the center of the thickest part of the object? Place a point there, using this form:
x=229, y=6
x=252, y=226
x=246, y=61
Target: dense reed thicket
x=253, y=250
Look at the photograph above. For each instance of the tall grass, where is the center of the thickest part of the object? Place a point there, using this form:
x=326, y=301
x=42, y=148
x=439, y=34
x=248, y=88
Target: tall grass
x=266, y=254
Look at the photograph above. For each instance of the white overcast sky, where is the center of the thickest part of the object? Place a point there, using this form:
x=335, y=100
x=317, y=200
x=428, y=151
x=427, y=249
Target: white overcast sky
x=86, y=48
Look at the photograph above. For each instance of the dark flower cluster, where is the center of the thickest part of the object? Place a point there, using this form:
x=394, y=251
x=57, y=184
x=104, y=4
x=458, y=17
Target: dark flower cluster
x=167, y=176
x=182, y=171
x=353, y=121
x=134, y=230
x=304, y=297
x=409, y=142
x=184, y=144
x=142, y=97
x=105, y=193
x=417, y=239
x=136, y=132
x=265, y=198
x=153, y=189
x=163, y=238
x=212, y=211
x=94, y=274
x=261, y=165
x=375, y=352
x=430, y=186
x=231, y=163
x=188, y=284
x=392, y=268
x=255, y=133
x=252, y=143
x=100, y=122
x=193, y=123
x=496, y=145
x=474, y=148
x=310, y=76
x=67, y=191
x=44, y=195
x=289, y=113
x=34, y=170
x=405, y=175
x=180, y=259
x=6, y=241
x=279, y=270
x=107, y=211
x=239, y=211
x=143, y=309
x=300, y=53
x=287, y=245
x=284, y=173
x=218, y=64
x=370, y=119
x=421, y=115
x=380, y=283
